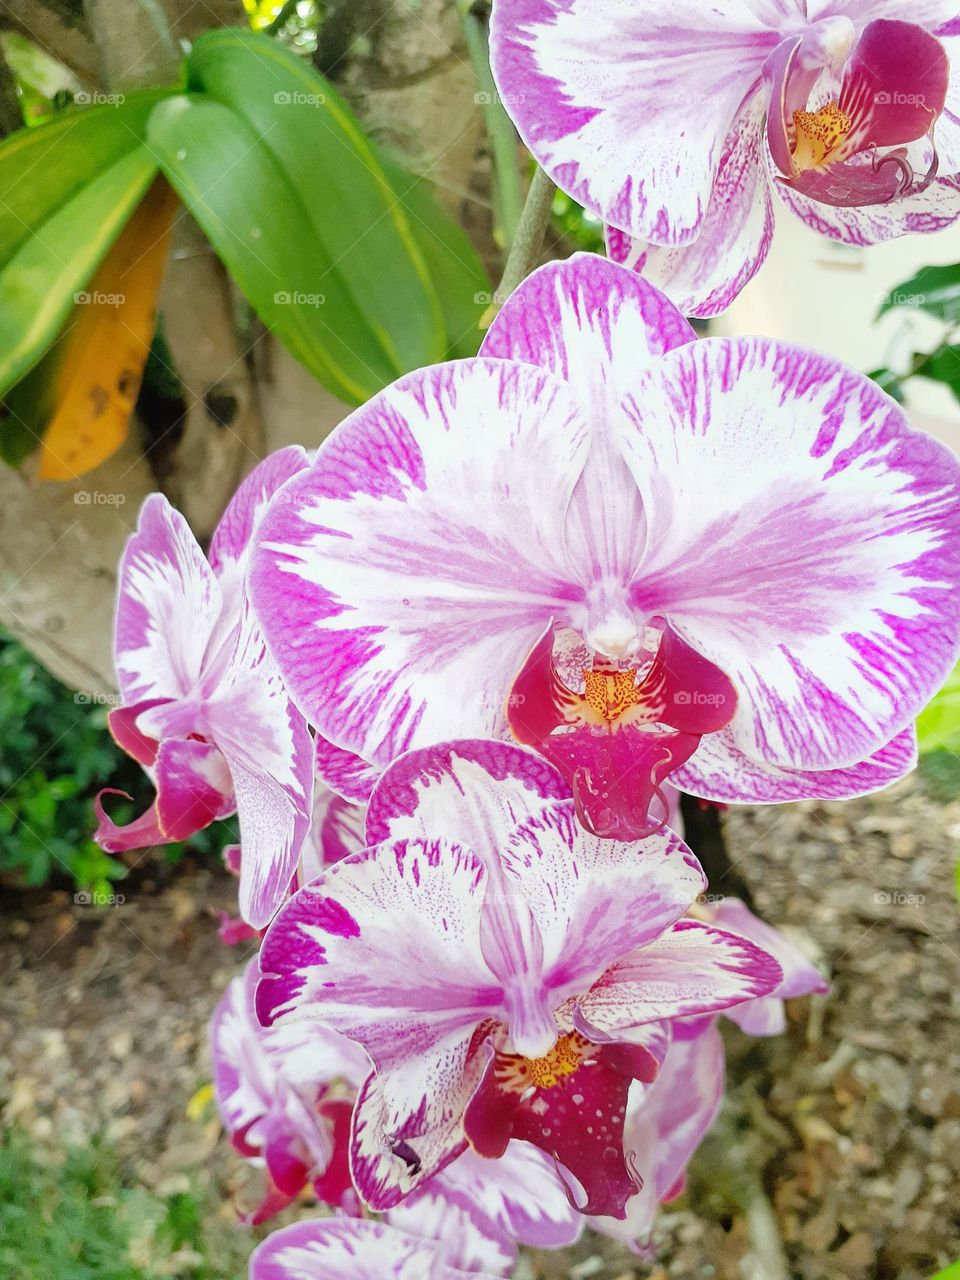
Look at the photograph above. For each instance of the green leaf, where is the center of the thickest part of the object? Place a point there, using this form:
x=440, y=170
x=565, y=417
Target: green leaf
x=951, y=1273
x=935, y=290
x=942, y=366
x=938, y=728
x=275, y=168
x=889, y=382
x=461, y=282
x=69, y=187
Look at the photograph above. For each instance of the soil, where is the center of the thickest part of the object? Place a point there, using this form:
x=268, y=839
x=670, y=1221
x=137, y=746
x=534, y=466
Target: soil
x=837, y=1154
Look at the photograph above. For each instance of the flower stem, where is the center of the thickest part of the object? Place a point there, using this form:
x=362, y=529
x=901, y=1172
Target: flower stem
x=502, y=136
x=527, y=244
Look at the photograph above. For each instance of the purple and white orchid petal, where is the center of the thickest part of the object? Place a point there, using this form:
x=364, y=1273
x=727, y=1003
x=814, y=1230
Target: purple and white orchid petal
x=232, y=537
x=472, y=791
x=692, y=969
x=666, y=1122
x=420, y=554
x=344, y=772
x=719, y=771
x=270, y=754
x=947, y=133
x=595, y=900
x=812, y=561
x=626, y=105
x=336, y=831
x=232, y=540
x=337, y=1249
x=194, y=787
x=520, y=1197
x=765, y=1017
x=467, y=1237
x=476, y=793
x=704, y=278
x=408, y=1122
x=361, y=948
x=593, y=325
x=168, y=604
x=918, y=212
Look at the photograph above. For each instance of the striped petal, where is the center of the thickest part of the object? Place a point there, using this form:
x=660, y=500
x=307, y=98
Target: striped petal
x=402, y=578
x=703, y=278
x=719, y=771
x=693, y=969
x=594, y=325
x=231, y=542
x=803, y=538
x=168, y=604
x=269, y=751
x=350, y=1250
x=627, y=104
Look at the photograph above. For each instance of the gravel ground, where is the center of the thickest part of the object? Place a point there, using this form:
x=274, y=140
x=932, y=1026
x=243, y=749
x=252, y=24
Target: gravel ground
x=836, y=1157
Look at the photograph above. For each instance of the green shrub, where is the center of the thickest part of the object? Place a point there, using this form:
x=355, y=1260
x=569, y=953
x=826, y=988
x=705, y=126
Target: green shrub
x=56, y=755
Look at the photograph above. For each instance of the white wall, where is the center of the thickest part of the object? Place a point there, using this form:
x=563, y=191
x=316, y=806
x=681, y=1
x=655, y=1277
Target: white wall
x=826, y=295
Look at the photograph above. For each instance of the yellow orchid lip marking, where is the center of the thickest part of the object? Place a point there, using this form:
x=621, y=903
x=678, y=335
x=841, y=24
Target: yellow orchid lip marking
x=819, y=134
x=567, y=1056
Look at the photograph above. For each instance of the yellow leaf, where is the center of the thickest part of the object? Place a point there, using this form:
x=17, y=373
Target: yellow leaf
x=103, y=352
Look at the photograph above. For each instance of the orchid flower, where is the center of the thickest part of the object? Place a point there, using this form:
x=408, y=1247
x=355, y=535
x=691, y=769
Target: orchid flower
x=673, y=123
x=351, y=1250
x=277, y=1095
x=667, y=1119
x=501, y=967
x=729, y=562
x=204, y=709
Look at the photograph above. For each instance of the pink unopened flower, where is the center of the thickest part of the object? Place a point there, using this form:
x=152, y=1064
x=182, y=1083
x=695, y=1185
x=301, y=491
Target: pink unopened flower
x=506, y=972
x=729, y=563
x=674, y=123
x=204, y=708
